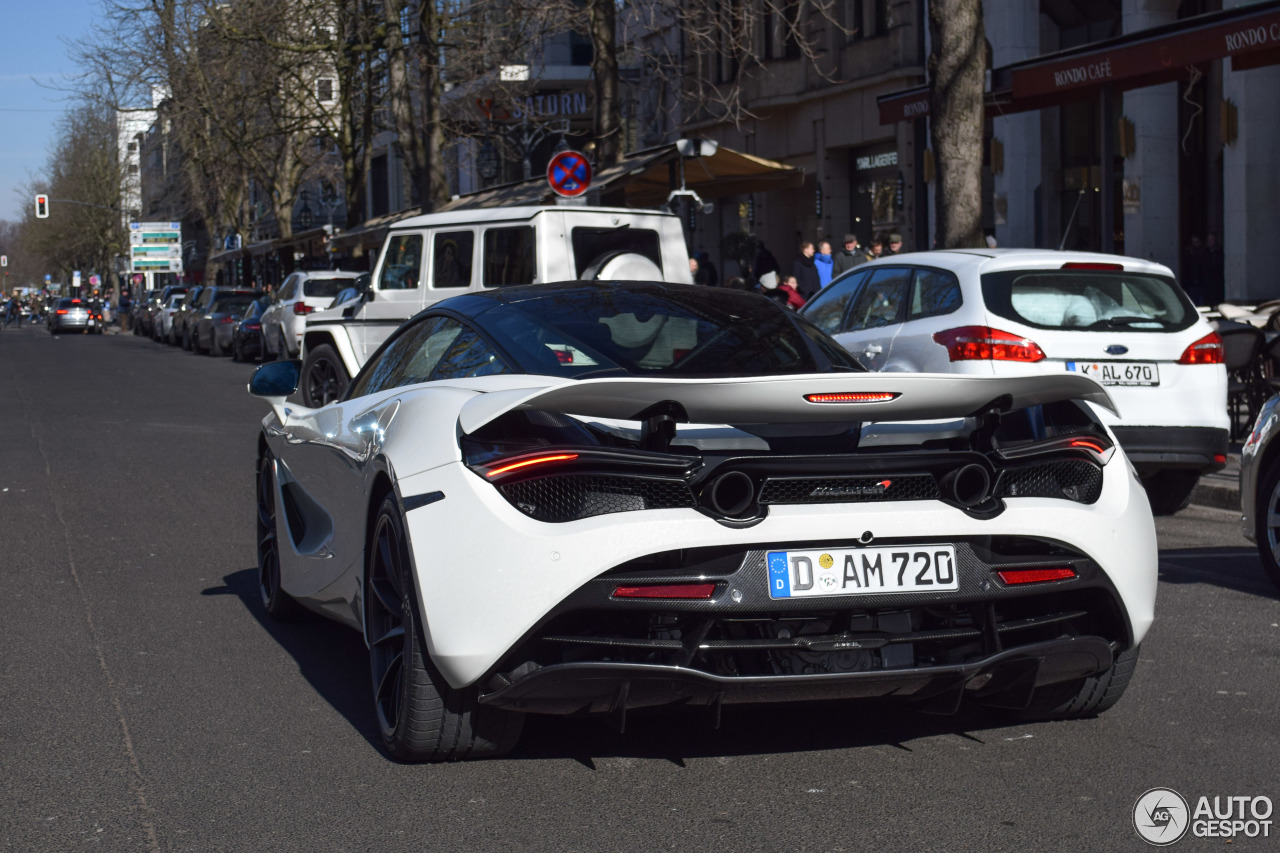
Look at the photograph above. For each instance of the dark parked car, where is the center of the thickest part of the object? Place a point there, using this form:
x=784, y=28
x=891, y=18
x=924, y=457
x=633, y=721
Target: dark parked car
x=246, y=335
x=213, y=329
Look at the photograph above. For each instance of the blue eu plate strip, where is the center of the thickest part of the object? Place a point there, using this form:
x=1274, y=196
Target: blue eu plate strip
x=779, y=576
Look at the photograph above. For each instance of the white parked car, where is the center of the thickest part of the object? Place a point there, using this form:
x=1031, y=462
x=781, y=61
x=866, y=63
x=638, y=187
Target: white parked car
x=438, y=255
x=301, y=294
x=594, y=497
x=162, y=326
x=1007, y=312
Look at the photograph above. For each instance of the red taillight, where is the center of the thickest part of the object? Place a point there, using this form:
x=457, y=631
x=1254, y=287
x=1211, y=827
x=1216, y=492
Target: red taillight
x=1088, y=444
x=226, y=320
x=61, y=311
x=1017, y=576
x=1219, y=459
x=683, y=590
x=853, y=397
x=1091, y=265
x=1207, y=350
x=253, y=325
x=536, y=460
x=972, y=343
x=302, y=308
x=564, y=356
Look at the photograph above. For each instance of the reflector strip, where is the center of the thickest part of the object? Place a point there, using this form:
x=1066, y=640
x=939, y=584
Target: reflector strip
x=684, y=590
x=1017, y=576
x=537, y=460
x=1219, y=458
x=853, y=397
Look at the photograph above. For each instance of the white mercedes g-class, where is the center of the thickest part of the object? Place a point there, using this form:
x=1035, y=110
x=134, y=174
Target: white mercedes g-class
x=437, y=255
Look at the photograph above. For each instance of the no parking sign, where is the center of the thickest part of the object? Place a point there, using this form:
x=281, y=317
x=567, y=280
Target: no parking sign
x=569, y=173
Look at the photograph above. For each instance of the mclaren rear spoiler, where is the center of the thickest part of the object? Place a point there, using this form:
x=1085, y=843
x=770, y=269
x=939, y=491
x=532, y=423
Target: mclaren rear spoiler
x=809, y=398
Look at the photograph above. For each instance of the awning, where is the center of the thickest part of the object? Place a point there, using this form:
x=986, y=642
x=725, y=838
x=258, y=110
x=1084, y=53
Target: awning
x=646, y=178
x=1249, y=36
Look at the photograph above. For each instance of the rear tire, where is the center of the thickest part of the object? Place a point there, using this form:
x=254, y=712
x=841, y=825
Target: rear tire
x=1084, y=697
x=324, y=377
x=420, y=716
x=1170, y=491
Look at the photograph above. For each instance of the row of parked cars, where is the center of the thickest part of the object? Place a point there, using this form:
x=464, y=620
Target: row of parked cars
x=246, y=324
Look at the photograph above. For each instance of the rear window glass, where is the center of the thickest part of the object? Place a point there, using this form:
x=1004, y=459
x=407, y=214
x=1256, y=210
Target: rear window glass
x=231, y=306
x=594, y=247
x=324, y=287
x=1088, y=300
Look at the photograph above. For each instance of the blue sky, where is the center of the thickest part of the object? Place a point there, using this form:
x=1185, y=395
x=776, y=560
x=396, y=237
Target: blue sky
x=33, y=53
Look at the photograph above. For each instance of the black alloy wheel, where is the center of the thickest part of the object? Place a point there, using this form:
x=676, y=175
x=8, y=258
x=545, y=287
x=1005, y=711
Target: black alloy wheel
x=324, y=379
x=420, y=716
x=275, y=600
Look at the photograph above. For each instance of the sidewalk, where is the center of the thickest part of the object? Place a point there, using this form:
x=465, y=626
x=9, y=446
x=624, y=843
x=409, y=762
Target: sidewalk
x=1220, y=490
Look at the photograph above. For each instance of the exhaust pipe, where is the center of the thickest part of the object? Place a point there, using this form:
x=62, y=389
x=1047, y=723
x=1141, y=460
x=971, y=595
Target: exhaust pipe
x=966, y=486
x=731, y=494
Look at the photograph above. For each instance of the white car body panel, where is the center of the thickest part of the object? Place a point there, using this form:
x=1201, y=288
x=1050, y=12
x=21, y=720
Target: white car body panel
x=478, y=601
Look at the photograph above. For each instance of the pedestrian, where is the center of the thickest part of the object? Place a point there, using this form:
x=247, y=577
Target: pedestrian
x=825, y=264
x=705, y=274
x=123, y=304
x=877, y=248
x=693, y=269
x=895, y=244
x=805, y=271
x=737, y=282
x=790, y=291
x=849, y=256
x=764, y=262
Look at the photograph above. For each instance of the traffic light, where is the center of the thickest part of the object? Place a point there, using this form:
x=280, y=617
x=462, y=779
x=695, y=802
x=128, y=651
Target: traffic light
x=42, y=207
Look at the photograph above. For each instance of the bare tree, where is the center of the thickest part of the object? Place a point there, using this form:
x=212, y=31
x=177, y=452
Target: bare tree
x=957, y=67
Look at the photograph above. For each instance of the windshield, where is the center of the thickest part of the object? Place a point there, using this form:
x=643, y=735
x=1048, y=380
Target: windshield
x=657, y=330
x=324, y=287
x=1088, y=300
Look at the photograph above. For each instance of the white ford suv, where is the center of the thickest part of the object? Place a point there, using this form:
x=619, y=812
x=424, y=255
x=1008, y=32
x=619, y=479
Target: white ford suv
x=427, y=258
x=1123, y=321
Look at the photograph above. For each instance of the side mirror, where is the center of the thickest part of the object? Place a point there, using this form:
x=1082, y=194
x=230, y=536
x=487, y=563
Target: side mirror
x=275, y=379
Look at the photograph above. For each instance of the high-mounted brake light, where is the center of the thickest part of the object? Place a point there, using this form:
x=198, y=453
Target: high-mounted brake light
x=302, y=308
x=1017, y=576
x=683, y=590
x=1207, y=350
x=974, y=343
x=1091, y=265
x=853, y=397
x=537, y=460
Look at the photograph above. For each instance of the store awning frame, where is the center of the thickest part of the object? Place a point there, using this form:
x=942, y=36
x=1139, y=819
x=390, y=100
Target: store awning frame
x=1247, y=35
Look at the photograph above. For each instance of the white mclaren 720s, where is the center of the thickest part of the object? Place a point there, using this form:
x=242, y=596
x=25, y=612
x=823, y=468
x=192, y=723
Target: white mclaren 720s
x=592, y=498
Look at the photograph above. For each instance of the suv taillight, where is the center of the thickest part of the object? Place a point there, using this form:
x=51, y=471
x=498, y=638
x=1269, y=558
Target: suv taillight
x=970, y=343
x=302, y=308
x=1207, y=350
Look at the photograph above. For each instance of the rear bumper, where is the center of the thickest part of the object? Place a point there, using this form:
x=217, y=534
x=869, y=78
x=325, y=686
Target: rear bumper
x=1154, y=448
x=614, y=687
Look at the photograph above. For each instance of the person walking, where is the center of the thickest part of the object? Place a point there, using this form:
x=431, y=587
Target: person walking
x=895, y=244
x=805, y=271
x=849, y=256
x=824, y=263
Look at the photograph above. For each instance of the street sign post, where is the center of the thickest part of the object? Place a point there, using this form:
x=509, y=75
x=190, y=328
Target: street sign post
x=155, y=247
x=569, y=174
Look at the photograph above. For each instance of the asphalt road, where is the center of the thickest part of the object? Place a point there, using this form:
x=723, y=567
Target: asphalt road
x=145, y=704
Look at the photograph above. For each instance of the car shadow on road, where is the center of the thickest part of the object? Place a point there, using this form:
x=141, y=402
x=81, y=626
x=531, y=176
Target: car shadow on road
x=680, y=734
x=332, y=658
x=334, y=661
x=1237, y=569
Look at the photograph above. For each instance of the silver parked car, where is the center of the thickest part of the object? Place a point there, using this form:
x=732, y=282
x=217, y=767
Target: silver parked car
x=301, y=294
x=1260, y=488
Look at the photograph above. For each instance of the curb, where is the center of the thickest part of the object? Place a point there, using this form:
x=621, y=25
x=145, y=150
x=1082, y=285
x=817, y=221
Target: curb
x=1216, y=496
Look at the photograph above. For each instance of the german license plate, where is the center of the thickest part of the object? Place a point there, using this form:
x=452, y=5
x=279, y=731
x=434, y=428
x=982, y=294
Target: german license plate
x=862, y=571
x=1118, y=372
